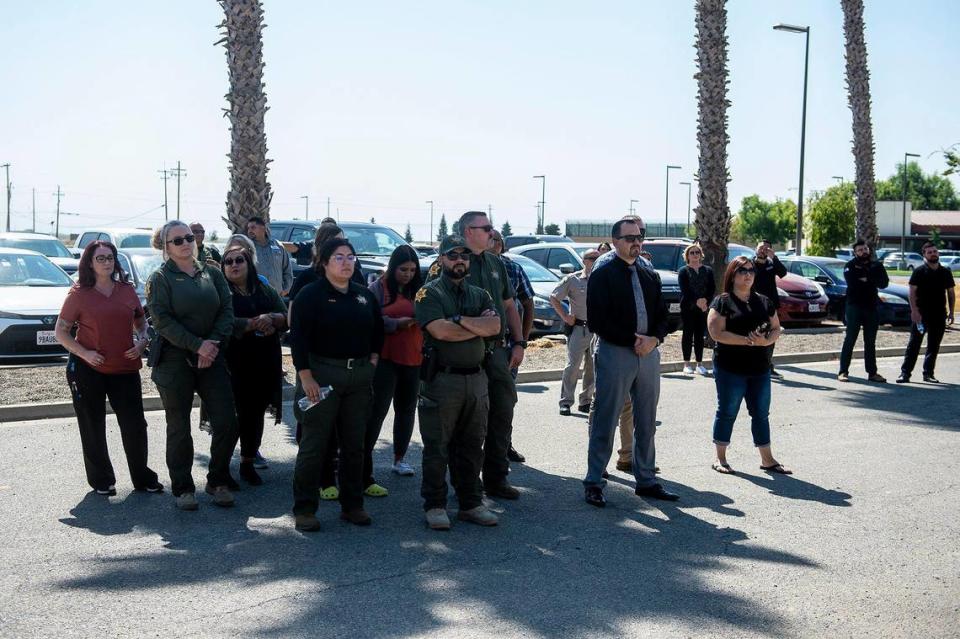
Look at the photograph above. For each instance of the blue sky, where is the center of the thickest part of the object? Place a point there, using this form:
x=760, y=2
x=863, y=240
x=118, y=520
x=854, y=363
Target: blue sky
x=382, y=105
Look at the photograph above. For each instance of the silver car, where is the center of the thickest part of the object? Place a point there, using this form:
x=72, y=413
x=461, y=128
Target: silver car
x=895, y=261
x=32, y=290
x=47, y=245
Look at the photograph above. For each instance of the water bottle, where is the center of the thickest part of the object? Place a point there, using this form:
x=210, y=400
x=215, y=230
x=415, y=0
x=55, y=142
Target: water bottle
x=920, y=328
x=305, y=404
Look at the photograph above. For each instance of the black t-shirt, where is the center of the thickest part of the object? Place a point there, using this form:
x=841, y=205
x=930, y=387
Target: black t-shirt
x=742, y=319
x=932, y=286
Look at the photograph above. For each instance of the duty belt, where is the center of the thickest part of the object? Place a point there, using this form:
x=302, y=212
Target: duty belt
x=579, y=322
x=341, y=363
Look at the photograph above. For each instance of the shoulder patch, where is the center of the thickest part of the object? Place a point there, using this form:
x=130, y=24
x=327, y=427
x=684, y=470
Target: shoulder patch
x=434, y=269
x=421, y=294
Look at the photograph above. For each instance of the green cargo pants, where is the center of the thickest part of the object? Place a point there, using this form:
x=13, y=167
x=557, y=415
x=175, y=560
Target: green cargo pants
x=503, y=396
x=346, y=409
x=453, y=423
x=177, y=381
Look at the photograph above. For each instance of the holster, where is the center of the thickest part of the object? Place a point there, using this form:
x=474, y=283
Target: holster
x=428, y=369
x=155, y=350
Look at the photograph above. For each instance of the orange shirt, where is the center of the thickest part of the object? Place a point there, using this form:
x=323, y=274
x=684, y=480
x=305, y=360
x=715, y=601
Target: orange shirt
x=105, y=324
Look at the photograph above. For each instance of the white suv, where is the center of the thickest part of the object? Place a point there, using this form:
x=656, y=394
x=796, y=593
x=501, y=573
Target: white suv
x=119, y=237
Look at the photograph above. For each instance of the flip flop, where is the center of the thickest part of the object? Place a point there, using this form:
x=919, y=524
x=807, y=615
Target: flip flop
x=777, y=469
x=723, y=469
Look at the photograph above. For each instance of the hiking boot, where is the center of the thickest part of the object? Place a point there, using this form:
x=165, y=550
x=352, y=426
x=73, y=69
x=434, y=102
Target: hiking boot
x=437, y=519
x=357, y=517
x=625, y=466
x=221, y=495
x=186, y=501
x=307, y=523
x=480, y=515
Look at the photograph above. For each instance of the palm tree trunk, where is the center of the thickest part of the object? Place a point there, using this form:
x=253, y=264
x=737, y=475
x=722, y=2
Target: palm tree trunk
x=250, y=192
x=858, y=95
x=713, y=214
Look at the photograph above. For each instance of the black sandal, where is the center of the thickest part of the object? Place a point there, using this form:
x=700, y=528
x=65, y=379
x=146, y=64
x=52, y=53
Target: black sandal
x=777, y=469
x=723, y=469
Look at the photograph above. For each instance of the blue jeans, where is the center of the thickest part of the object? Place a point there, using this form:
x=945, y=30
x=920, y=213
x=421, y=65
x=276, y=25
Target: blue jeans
x=732, y=389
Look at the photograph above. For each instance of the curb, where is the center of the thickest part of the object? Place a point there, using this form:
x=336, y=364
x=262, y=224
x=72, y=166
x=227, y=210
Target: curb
x=29, y=412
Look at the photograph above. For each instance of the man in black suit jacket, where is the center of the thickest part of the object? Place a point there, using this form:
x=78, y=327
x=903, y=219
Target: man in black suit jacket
x=625, y=309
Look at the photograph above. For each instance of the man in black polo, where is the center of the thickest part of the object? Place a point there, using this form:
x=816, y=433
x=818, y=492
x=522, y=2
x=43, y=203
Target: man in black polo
x=864, y=278
x=769, y=268
x=930, y=310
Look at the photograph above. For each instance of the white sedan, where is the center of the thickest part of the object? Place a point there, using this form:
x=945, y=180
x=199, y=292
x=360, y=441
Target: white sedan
x=32, y=290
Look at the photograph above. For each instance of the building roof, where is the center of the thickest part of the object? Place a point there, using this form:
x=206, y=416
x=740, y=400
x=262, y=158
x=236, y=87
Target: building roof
x=947, y=222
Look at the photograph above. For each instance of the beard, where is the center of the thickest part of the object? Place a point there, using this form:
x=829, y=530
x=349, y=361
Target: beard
x=863, y=258
x=455, y=272
x=934, y=259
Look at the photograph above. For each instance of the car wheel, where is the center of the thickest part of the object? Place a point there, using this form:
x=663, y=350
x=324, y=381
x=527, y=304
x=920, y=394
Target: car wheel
x=910, y=267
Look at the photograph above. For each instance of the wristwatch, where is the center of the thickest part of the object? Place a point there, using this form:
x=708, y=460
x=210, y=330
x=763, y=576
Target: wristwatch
x=521, y=343
x=456, y=319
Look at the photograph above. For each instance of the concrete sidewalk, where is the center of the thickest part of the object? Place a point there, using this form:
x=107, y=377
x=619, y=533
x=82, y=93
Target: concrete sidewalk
x=861, y=541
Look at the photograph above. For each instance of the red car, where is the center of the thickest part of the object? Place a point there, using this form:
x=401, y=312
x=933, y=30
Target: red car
x=801, y=300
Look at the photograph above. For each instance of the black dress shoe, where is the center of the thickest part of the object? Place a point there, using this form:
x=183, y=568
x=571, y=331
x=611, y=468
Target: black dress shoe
x=931, y=379
x=903, y=378
x=656, y=492
x=503, y=490
x=605, y=475
x=565, y=411
x=514, y=456
x=584, y=408
x=593, y=495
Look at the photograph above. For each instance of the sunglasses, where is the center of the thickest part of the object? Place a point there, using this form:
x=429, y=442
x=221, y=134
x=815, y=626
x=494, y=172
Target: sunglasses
x=463, y=256
x=694, y=253
x=178, y=241
x=743, y=270
x=103, y=259
x=486, y=228
x=639, y=237
x=340, y=259
x=230, y=261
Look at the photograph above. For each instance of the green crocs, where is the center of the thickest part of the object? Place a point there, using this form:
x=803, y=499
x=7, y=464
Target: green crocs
x=376, y=490
x=330, y=493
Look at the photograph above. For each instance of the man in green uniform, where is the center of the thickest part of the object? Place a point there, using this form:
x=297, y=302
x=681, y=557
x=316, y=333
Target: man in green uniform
x=456, y=317
x=205, y=252
x=487, y=271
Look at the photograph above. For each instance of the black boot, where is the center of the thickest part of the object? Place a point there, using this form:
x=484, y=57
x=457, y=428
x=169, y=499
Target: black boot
x=249, y=474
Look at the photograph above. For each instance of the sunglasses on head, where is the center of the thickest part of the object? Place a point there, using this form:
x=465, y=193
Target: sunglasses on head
x=238, y=260
x=103, y=259
x=458, y=255
x=178, y=241
x=746, y=270
x=485, y=228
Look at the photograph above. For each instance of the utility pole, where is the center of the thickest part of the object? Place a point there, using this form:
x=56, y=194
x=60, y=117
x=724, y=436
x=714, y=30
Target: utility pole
x=542, y=218
x=490, y=213
x=7, y=167
x=33, y=197
x=178, y=172
x=328, y=206
x=689, y=186
x=59, y=194
x=430, y=202
x=166, y=209
x=666, y=206
x=306, y=199
x=631, y=209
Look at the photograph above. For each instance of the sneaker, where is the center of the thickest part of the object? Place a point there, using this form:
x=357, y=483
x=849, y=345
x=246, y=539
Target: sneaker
x=701, y=370
x=357, y=517
x=206, y=427
x=843, y=377
x=330, y=493
x=221, y=495
x=565, y=411
x=437, y=519
x=878, y=378
x=687, y=369
x=403, y=469
x=480, y=515
x=109, y=491
x=260, y=462
x=307, y=523
x=186, y=501
x=593, y=495
x=375, y=490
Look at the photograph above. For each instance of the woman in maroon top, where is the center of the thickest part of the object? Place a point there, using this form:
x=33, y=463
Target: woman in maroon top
x=397, y=378
x=105, y=363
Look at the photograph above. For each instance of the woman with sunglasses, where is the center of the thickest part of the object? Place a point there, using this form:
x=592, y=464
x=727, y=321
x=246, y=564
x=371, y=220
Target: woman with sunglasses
x=105, y=363
x=397, y=378
x=191, y=308
x=253, y=357
x=696, y=292
x=336, y=338
x=744, y=324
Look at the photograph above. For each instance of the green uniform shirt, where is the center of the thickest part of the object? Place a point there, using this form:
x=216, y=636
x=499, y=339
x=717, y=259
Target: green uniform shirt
x=187, y=310
x=442, y=298
x=208, y=252
x=487, y=272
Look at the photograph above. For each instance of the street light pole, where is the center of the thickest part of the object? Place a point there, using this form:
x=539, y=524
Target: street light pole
x=430, y=238
x=632, y=202
x=306, y=201
x=903, y=220
x=803, y=125
x=7, y=167
x=59, y=194
x=839, y=178
x=689, y=186
x=543, y=202
x=666, y=206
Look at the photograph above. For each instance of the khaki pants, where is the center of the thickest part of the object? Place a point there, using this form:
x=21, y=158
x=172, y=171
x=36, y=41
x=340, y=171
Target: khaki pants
x=625, y=453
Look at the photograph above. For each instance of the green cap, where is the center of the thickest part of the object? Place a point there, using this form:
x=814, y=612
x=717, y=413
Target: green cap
x=451, y=242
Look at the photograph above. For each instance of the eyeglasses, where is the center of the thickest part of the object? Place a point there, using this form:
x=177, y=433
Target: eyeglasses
x=103, y=259
x=178, y=241
x=744, y=270
x=238, y=260
x=486, y=228
x=341, y=258
x=463, y=256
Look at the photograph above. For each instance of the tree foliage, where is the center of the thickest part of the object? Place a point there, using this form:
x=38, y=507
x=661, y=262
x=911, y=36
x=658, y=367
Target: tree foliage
x=952, y=158
x=442, y=229
x=935, y=237
x=408, y=235
x=925, y=192
x=505, y=230
x=552, y=229
x=758, y=219
x=832, y=219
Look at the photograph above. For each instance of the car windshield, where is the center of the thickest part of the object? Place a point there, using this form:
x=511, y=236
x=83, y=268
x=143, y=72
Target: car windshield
x=135, y=240
x=534, y=271
x=30, y=270
x=377, y=241
x=49, y=247
x=835, y=270
x=146, y=264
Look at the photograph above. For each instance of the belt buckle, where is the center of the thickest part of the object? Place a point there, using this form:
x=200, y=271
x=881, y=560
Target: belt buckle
x=350, y=363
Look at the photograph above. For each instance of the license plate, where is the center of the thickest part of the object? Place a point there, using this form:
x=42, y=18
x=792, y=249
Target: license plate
x=46, y=338
x=675, y=307
x=814, y=308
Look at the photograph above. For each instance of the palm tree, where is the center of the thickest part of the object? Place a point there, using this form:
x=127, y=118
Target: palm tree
x=713, y=214
x=250, y=193
x=858, y=95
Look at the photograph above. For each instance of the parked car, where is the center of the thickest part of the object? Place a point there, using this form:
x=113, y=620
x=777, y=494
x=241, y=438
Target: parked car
x=894, y=261
x=568, y=257
x=140, y=264
x=425, y=249
x=882, y=253
x=120, y=237
x=894, y=307
x=667, y=254
x=512, y=241
x=951, y=262
x=32, y=290
x=546, y=321
x=844, y=254
x=47, y=245
x=801, y=301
